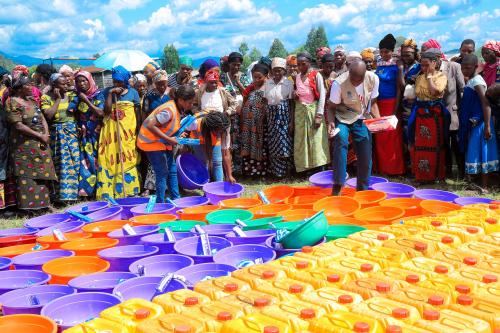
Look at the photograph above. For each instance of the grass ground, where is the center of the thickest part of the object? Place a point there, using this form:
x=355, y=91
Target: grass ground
x=252, y=186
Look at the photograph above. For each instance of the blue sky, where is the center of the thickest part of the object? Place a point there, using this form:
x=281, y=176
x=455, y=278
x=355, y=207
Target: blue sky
x=198, y=28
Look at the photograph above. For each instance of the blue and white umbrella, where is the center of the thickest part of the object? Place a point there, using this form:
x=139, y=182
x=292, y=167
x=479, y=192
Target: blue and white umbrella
x=132, y=60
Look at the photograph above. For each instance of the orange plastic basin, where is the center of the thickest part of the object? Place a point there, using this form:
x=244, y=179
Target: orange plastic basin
x=297, y=214
x=438, y=207
x=15, y=250
x=196, y=213
x=379, y=214
x=103, y=228
x=270, y=210
x=55, y=243
x=89, y=247
x=410, y=205
x=240, y=203
x=343, y=220
x=306, y=190
x=277, y=194
x=337, y=206
x=64, y=269
x=369, y=198
x=27, y=323
x=152, y=219
x=304, y=201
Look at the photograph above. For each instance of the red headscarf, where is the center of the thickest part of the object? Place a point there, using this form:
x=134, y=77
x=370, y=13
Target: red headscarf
x=93, y=89
x=490, y=70
x=494, y=46
x=20, y=69
x=321, y=51
x=433, y=44
x=212, y=75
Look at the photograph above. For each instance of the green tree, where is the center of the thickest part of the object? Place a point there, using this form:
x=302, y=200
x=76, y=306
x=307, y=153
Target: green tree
x=170, y=59
x=243, y=48
x=299, y=49
x=246, y=62
x=277, y=49
x=255, y=54
x=316, y=38
x=6, y=63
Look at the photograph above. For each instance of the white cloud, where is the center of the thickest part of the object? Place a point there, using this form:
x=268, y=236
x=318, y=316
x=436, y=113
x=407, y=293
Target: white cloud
x=117, y=5
x=419, y=12
x=163, y=17
x=15, y=12
x=96, y=28
x=180, y=3
x=342, y=37
x=64, y=7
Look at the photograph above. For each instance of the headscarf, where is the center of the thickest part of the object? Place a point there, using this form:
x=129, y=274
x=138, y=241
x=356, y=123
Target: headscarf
x=368, y=53
x=21, y=69
x=388, y=42
x=119, y=73
x=278, y=63
x=266, y=61
x=321, y=51
x=212, y=75
x=139, y=78
x=65, y=68
x=93, y=89
x=409, y=42
x=291, y=59
x=353, y=55
x=234, y=56
x=339, y=48
x=206, y=66
x=304, y=55
x=260, y=68
x=160, y=75
x=152, y=65
x=433, y=44
x=18, y=79
x=490, y=70
x=494, y=46
x=186, y=61
x=54, y=77
x=328, y=58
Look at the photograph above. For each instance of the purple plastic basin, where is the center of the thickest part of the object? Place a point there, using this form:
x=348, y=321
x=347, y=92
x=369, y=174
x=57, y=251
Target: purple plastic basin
x=100, y=282
x=191, y=172
x=129, y=203
x=219, y=230
x=430, y=194
x=71, y=310
x=192, y=201
x=71, y=226
x=196, y=273
x=218, y=191
x=31, y=300
x=35, y=260
x=47, y=220
x=5, y=263
x=237, y=255
x=395, y=190
x=110, y=213
x=322, y=179
x=164, y=246
x=145, y=287
x=252, y=237
x=89, y=207
x=158, y=208
x=353, y=182
x=191, y=247
x=464, y=201
x=280, y=252
x=120, y=257
x=18, y=279
x=18, y=232
x=161, y=265
x=141, y=230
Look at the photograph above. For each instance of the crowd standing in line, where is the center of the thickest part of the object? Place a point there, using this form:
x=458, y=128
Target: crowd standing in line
x=63, y=137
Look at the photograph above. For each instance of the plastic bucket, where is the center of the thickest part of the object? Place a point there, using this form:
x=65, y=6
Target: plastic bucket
x=395, y=190
x=270, y=210
x=304, y=201
x=252, y=237
x=197, y=213
x=162, y=243
x=342, y=231
x=261, y=223
x=228, y=216
x=192, y=173
x=90, y=246
x=128, y=203
x=180, y=226
x=100, y=282
x=110, y=213
x=307, y=233
x=125, y=239
x=218, y=191
x=410, y=205
x=47, y=220
x=278, y=194
x=297, y=214
x=430, y=194
x=158, y=208
x=240, y=256
x=192, y=201
x=306, y=190
x=379, y=214
x=337, y=206
x=334, y=220
x=71, y=226
x=103, y=228
x=161, y=265
x=464, y=201
x=145, y=287
x=280, y=251
x=19, y=279
x=152, y=219
x=353, y=182
x=5, y=263
x=121, y=257
x=64, y=269
x=219, y=230
x=369, y=198
x=31, y=300
x=74, y=309
x=15, y=250
x=35, y=260
x=88, y=207
x=288, y=225
x=17, y=240
x=322, y=179
x=55, y=243
x=27, y=323
x=196, y=273
x=192, y=247
x=18, y=232
x=240, y=203
x=438, y=207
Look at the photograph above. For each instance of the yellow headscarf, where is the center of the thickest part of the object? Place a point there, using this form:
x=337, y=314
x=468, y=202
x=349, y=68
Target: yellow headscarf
x=367, y=53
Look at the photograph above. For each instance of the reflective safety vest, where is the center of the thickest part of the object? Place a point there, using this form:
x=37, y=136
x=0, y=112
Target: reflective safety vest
x=197, y=134
x=147, y=140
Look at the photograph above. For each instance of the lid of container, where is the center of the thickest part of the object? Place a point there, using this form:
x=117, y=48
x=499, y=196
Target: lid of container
x=230, y=287
x=382, y=237
x=332, y=278
x=412, y=278
x=383, y=287
x=345, y=299
x=393, y=329
x=471, y=261
x=182, y=329
x=431, y=314
x=464, y=300
x=260, y=302
x=447, y=240
x=266, y=275
x=271, y=329
x=295, y=289
x=493, y=206
x=462, y=288
x=490, y=278
x=441, y=269
x=472, y=230
x=142, y=313
x=307, y=313
x=491, y=220
x=400, y=313
x=224, y=316
x=307, y=249
x=435, y=300
x=301, y=264
x=190, y=301
x=366, y=267
x=419, y=246
x=361, y=327
x=436, y=223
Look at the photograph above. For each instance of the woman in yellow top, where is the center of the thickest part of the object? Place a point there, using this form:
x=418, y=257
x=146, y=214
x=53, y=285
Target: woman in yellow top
x=429, y=121
x=60, y=114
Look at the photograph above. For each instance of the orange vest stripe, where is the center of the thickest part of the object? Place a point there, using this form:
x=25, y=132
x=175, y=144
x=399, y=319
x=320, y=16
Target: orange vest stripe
x=148, y=141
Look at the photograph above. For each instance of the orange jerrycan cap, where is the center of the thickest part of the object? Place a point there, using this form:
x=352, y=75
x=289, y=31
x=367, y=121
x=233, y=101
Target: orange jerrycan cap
x=345, y=299
x=462, y=288
x=435, y=300
x=361, y=327
x=472, y=230
x=307, y=249
x=382, y=237
x=271, y=329
x=400, y=313
x=393, y=329
x=295, y=289
x=332, y=278
x=383, y=287
x=260, y=302
x=436, y=223
x=266, y=275
x=419, y=246
x=366, y=267
x=412, y=278
x=301, y=264
x=230, y=287
x=491, y=220
x=464, y=300
x=142, y=313
x=447, y=240
x=307, y=313
x=182, y=329
x=441, y=269
x=490, y=278
x=431, y=314
x=470, y=261
x=190, y=301
x=224, y=316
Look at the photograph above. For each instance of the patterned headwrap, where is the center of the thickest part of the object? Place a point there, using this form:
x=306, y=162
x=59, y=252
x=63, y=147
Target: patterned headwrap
x=65, y=68
x=139, y=78
x=266, y=61
x=152, y=65
x=304, y=55
x=18, y=79
x=21, y=69
x=432, y=44
x=409, y=42
x=160, y=75
x=206, y=66
x=186, y=61
x=212, y=75
x=93, y=89
x=119, y=73
x=54, y=77
x=494, y=46
x=278, y=63
x=321, y=51
x=339, y=48
x=368, y=53
x=291, y=59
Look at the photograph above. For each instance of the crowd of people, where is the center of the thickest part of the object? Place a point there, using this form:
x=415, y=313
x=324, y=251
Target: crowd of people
x=63, y=137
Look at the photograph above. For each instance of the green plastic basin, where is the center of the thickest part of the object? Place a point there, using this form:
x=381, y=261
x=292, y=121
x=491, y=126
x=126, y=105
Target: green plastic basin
x=228, y=216
x=290, y=225
x=308, y=233
x=180, y=225
x=262, y=224
x=342, y=231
